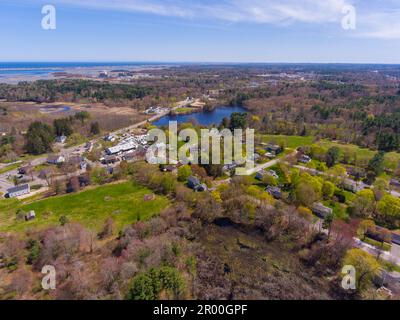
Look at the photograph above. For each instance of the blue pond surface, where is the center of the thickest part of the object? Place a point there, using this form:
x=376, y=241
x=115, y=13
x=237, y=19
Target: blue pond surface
x=202, y=118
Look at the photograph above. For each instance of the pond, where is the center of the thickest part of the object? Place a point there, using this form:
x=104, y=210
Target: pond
x=204, y=118
x=54, y=109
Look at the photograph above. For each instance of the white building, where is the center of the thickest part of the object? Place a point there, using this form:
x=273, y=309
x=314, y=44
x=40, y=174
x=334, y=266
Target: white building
x=61, y=139
x=123, y=147
x=19, y=191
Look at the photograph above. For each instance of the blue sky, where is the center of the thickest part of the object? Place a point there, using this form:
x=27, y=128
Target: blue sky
x=201, y=31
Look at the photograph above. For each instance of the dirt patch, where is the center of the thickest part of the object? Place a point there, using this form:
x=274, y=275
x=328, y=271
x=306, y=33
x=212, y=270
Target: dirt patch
x=19, y=115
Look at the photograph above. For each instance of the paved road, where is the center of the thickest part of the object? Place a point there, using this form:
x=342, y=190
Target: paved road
x=268, y=164
x=393, y=256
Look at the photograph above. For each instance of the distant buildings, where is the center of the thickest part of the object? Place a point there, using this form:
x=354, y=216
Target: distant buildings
x=156, y=110
x=18, y=191
x=103, y=75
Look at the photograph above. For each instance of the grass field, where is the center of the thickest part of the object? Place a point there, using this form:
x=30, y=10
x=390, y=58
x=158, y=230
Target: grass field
x=289, y=141
x=386, y=246
x=185, y=110
x=355, y=153
x=363, y=155
x=124, y=202
x=10, y=167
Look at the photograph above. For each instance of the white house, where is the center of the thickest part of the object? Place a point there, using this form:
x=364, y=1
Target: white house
x=61, y=139
x=18, y=191
x=30, y=215
x=55, y=159
x=109, y=138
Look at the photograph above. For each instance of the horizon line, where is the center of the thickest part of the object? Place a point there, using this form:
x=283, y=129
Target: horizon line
x=200, y=62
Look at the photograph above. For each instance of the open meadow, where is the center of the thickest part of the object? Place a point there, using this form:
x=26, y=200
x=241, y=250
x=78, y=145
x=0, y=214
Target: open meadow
x=124, y=202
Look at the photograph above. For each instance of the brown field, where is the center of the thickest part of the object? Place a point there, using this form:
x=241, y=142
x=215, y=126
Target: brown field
x=21, y=114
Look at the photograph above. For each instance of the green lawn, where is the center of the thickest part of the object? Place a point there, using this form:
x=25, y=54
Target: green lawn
x=372, y=242
x=123, y=202
x=290, y=141
x=363, y=155
x=10, y=167
x=185, y=110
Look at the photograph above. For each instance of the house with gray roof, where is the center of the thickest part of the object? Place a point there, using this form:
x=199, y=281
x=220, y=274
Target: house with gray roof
x=18, y=191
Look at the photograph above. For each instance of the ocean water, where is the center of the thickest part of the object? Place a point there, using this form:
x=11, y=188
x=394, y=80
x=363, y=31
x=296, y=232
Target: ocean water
x=36, y=70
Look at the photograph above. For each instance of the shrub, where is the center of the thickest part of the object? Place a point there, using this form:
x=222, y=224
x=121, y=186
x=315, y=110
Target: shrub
x=149, y=285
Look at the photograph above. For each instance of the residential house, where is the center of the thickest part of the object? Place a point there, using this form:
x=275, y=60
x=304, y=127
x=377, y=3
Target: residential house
x=273, y=174
x=61, y=139
x=304, y=158
x=320, y=210
x=382, y=234
x=274, y=149
x=276, y=192
x=18, y=191
x=55, y=159
x=109, y=160
x=30, y=215
x=396, y=238
x=395, y=183
x=260, y=175
x=109, y=138
x=353, y=186
x=194, y=183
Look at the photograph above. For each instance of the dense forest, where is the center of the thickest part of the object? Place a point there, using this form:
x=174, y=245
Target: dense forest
x=50, y=91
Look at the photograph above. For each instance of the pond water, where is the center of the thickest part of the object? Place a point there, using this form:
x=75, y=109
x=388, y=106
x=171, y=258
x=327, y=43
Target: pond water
x=54, y=109
x=202, y=117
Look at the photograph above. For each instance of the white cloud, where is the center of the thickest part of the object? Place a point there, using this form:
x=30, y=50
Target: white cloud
x=375, y=18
